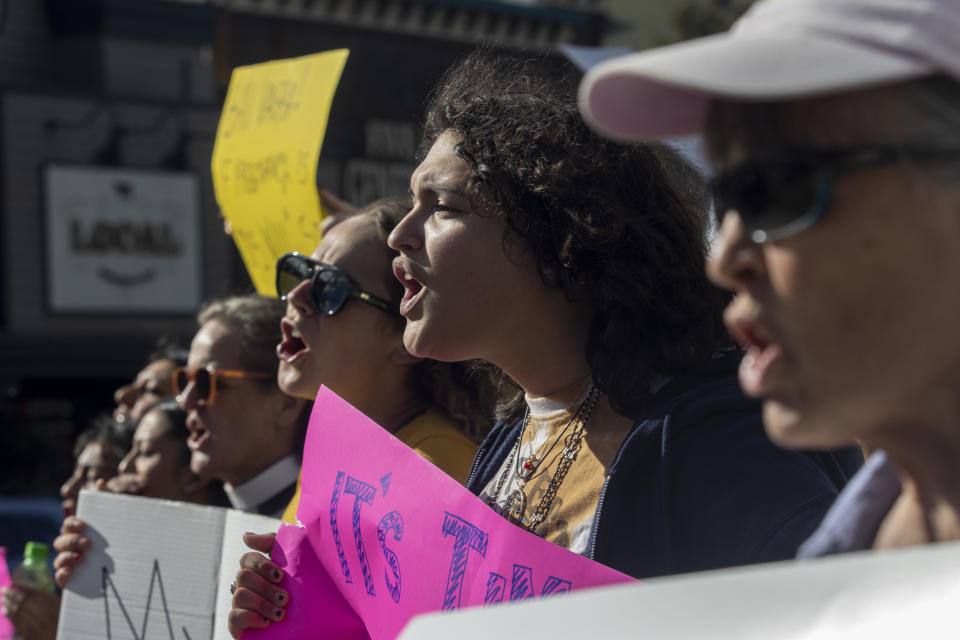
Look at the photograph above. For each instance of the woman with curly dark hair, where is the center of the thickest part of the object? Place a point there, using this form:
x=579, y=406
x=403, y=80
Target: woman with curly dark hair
x=576, y=265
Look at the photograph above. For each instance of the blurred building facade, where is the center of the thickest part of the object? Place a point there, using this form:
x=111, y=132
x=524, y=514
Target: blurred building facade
x=109, y=112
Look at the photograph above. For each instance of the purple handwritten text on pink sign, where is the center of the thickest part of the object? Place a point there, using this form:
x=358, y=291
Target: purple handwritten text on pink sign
x=367, y=560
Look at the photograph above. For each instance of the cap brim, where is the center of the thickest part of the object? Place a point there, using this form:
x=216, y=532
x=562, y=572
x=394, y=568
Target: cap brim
x=665, y=92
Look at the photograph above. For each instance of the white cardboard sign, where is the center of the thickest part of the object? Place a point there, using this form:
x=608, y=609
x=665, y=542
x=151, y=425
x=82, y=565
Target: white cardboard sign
x=157, y=569
x=909, y=593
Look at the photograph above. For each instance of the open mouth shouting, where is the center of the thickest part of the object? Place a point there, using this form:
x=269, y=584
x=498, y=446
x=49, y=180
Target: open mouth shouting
x=763, y=353
x=291, y=347
x=199, y=435
x=414, y=288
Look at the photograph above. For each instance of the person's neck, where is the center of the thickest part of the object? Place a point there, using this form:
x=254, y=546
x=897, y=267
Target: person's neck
x=391, y=400
x=565, y=399
x=927, y=456
x=543, y=346
x=548, y=355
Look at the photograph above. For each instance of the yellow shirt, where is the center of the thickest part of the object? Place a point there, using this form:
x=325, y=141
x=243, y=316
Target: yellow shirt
x=433, y=435
x=439, y=439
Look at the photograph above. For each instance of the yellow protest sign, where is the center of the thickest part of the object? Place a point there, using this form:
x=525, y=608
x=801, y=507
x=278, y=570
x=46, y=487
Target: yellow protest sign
x=265, y=157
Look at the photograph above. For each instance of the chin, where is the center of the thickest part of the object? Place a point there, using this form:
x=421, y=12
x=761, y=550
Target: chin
x=200, y=464
x=418, y=342
x=293, y=383
x=288, y=378
x=793, y=427
x=412, y=338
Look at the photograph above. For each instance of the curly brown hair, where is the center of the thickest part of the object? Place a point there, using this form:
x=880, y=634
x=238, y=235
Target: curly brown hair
x=466, y=391
x=618, y=227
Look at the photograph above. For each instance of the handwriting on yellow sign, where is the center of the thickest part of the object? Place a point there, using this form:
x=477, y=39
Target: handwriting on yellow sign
x=265, y=157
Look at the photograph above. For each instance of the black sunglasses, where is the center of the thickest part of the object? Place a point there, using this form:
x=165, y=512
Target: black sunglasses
x=779, y=196
x=330, y=286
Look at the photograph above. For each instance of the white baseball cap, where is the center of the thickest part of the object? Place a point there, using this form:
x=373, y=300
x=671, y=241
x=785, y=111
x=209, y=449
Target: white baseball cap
x=779, y=50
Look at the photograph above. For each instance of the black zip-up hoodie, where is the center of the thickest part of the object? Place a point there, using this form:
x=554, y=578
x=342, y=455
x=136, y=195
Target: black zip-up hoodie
x=697, y=484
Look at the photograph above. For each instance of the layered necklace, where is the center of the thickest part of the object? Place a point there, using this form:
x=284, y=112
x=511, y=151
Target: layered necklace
x=526, y=467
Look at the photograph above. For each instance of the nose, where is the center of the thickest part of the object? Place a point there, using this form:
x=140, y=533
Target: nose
x=125, y=395
x=188, y=398
x=407, y=236
x=126, y=465
x=735, y=259
x=301, y=299
x=71, y=488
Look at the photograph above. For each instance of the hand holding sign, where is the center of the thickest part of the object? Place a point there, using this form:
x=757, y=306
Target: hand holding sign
x=257, y=600
x=387, y=535
x=265, y=157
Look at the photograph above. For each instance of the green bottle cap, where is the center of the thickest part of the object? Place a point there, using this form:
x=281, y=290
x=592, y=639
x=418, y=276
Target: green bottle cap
x=36, y=552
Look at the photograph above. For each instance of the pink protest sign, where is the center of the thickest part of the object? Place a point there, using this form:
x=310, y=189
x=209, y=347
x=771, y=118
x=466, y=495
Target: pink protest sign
x=6, y=627
x=387, y=536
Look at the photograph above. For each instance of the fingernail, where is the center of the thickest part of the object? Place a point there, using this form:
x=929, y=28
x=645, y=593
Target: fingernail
x=278, y=614
x=281, y=597
x=276, y=574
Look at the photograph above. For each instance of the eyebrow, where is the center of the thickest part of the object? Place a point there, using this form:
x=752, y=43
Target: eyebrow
x=439, y=189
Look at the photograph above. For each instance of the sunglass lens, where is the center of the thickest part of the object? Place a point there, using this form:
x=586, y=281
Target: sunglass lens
x=286, y=282
x=766, y=197
x=332, y=290
x=794, y=197
x=179, y=381
x=291, y=271
x=202, y=384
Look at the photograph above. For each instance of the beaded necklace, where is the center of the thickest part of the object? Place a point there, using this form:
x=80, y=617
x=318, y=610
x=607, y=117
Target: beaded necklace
x=516, y=504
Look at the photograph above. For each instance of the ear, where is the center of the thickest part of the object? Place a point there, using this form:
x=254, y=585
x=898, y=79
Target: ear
x=400, y=356
x=289, y=410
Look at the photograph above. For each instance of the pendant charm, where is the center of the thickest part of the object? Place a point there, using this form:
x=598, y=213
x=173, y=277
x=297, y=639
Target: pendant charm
x=515, y=506
x=528, y=466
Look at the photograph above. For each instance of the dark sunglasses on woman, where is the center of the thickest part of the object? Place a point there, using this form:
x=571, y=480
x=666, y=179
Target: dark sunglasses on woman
x=779, y=195
x=330, y=286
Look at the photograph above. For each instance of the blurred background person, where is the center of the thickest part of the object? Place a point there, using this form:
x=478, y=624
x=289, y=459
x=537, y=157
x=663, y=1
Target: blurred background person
x=243, y=430
x=158, y=462
x=153, y=383
x=835, y=131
x=98, y=451
x=157, y=465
